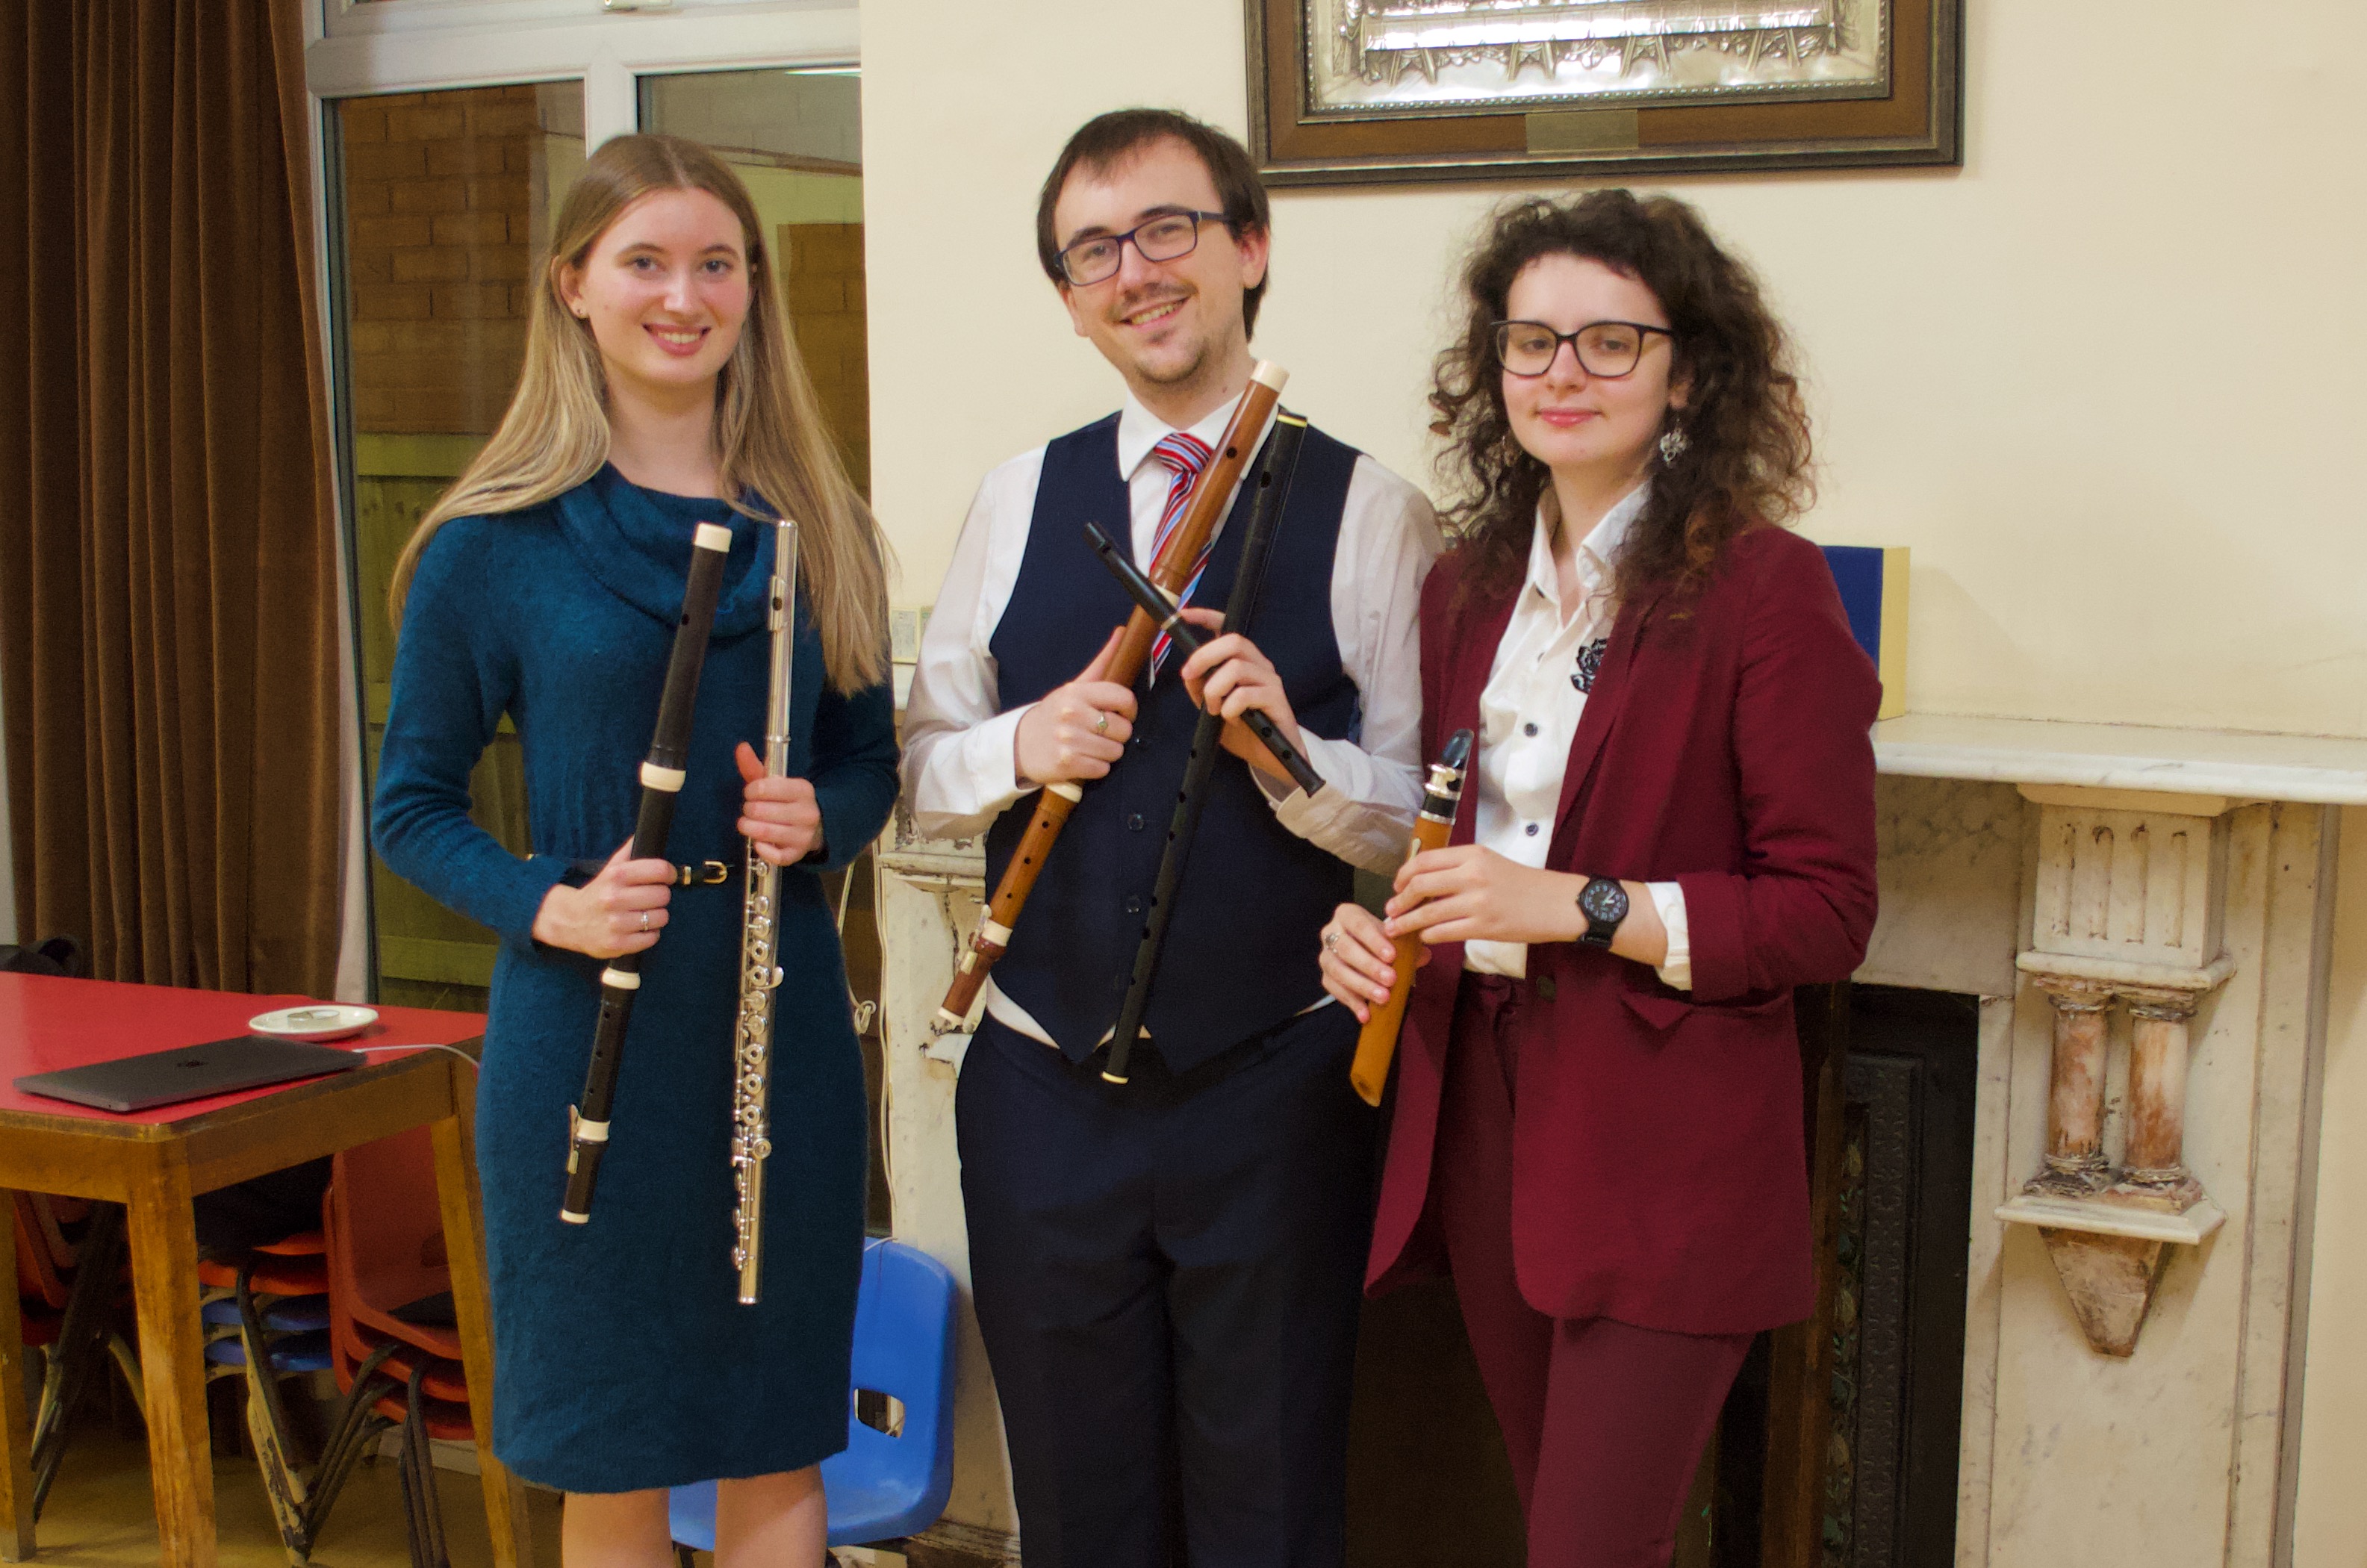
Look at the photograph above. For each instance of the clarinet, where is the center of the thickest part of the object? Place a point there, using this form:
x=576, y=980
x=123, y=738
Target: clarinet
x=1184, y=824
x=1377, y=1044
x=662, y=777
x=760, y=975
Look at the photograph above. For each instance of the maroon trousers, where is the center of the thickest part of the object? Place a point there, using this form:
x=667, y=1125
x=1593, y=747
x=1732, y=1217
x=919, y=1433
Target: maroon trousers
x=1604, y=1423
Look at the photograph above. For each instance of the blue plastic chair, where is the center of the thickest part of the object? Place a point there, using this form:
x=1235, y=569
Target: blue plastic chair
x=880, y=1488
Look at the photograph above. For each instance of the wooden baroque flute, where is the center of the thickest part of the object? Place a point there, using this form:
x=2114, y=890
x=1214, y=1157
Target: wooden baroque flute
x=1211, y=497
x=1377, y=1044
x=760, y=975
x=662, y=780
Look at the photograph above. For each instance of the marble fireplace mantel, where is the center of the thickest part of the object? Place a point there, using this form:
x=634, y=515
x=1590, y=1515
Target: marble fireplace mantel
x=2180, y=1453
x=2229, y=762
x=2145, y=913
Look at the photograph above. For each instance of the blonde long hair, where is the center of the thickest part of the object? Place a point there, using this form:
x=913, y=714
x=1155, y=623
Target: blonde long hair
x=769, y=436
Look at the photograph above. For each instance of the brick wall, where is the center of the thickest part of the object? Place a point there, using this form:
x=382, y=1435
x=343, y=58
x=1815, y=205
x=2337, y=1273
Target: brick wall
x=439, y=205
x=823, y=275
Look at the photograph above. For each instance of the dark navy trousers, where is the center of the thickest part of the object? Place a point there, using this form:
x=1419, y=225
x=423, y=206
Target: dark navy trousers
x=1167, y=1274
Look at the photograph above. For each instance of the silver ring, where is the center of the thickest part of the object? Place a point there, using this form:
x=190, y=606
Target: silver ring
x=645, y=919
x=1330, y=938
x=1101, y=725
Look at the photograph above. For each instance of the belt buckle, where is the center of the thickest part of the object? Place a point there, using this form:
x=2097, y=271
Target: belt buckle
x=707, y=872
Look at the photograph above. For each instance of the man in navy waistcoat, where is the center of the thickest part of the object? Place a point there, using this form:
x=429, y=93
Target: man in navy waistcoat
x=1167, y=1272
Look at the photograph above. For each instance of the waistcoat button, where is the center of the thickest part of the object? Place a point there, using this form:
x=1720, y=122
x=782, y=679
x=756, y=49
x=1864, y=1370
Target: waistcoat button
x=1134, y=820
x=1134, y=903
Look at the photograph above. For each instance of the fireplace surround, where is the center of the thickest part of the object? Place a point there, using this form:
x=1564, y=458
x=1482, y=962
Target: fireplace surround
x=2195, y=1037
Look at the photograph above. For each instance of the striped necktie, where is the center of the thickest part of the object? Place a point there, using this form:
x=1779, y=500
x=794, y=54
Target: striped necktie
x=1186, y=455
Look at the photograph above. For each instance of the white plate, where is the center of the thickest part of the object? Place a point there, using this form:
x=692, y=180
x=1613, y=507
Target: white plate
x=317, y=1020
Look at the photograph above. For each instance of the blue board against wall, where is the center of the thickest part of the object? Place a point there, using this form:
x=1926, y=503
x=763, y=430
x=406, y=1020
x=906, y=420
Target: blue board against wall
x=1872, y=581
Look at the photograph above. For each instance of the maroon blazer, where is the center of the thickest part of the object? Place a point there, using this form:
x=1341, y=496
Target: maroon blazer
x=1659, y=1164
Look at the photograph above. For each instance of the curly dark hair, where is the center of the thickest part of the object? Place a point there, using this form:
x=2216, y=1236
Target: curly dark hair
x=1746, y=426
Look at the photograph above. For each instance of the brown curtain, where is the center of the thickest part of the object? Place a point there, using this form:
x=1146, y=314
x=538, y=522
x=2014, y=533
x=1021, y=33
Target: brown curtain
x=168, y=581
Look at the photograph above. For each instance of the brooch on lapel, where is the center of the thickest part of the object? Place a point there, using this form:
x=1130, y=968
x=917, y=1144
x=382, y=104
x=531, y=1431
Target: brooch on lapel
x=1590, y=663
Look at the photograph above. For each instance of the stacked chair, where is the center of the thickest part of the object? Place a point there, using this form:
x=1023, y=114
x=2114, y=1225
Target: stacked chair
x=375, y=1309
x=69, y=1293
x=266, y=1317
x=885, y=1484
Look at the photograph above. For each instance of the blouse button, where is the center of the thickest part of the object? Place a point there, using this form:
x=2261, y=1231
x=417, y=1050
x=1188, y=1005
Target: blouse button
x=1134, y=820
x=1532, y=830
x=1133, y=904
x=1528, y=729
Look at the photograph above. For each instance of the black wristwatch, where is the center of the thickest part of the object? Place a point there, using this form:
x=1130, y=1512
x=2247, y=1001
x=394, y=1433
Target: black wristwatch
x=1604, y=903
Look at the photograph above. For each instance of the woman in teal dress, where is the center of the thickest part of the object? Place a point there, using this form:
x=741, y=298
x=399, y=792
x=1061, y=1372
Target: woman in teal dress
x=660, y=391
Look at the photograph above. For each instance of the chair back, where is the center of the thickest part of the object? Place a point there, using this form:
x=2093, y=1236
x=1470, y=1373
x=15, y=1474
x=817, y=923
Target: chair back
x=38, y=1278
x=879, y=1488
x=385, y=1233
x=905, y=1348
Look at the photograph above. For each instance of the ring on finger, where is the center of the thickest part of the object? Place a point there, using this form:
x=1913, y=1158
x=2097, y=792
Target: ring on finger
x=645, y=919
x=1100, y=723
x=1330, y=941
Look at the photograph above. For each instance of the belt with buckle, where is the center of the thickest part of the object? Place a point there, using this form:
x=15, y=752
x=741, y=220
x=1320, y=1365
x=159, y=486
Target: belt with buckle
x=697, y=874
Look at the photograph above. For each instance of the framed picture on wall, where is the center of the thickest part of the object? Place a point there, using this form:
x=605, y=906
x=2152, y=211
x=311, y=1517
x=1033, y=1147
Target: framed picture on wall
x=1350, y=91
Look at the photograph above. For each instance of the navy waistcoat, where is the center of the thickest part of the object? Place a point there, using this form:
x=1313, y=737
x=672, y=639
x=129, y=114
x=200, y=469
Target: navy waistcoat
x=1240, y=951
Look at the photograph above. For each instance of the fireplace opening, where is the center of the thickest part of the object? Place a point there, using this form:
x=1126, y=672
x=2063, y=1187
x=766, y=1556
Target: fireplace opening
x=1838, y=1447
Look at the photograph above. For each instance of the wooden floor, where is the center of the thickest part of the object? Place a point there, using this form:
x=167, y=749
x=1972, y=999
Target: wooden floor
x=100, y=1516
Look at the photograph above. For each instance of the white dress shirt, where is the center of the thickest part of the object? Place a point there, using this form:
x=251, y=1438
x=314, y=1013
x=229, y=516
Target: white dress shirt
x=1529, y=713
x=960, y=768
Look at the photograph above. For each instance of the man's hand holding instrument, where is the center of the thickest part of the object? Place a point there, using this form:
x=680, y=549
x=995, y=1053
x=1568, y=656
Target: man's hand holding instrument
x=1211, y=497
x=1191, y=638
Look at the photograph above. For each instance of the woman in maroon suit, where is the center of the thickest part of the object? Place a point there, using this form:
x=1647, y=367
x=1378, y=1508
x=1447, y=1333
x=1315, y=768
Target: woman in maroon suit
x=1667, y=824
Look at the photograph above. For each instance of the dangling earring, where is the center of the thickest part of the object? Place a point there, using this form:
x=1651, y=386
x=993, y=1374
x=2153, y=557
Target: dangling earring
x=1672, y=445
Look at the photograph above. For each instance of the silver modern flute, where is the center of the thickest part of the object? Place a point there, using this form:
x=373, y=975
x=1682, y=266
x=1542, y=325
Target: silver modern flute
x=760, y=974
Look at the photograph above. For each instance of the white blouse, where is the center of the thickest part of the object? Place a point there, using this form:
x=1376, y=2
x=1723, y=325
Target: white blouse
x=1529, y=713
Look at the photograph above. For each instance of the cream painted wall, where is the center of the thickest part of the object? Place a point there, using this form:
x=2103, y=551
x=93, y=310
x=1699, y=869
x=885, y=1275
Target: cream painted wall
x=2099, y=380
x=2122, y=325
x=2330, y=1522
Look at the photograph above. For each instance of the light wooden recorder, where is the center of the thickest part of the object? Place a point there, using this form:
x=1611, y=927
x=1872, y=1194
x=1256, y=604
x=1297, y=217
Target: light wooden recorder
x=1211, y=497
x=1377, y=1044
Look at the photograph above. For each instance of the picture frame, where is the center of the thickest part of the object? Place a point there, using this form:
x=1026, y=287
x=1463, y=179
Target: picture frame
x=1345, y=92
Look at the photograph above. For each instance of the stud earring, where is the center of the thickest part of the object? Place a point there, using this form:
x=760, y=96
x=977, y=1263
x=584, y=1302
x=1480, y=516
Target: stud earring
x=1672, y=445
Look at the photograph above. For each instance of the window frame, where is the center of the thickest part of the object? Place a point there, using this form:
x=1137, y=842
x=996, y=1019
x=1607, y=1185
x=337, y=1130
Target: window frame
x=365, y=48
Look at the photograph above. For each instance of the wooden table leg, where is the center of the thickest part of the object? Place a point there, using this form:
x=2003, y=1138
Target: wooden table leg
x=172, y=1360
x=464, y=1243
x=16, y=1433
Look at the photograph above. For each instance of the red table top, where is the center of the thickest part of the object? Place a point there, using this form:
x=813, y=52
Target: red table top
x=46, y=1023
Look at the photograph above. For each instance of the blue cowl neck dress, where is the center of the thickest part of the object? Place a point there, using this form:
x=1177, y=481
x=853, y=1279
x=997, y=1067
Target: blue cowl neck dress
x=623, y=1359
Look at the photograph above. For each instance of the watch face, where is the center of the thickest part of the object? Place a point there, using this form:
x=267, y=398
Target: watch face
x=1604, y=900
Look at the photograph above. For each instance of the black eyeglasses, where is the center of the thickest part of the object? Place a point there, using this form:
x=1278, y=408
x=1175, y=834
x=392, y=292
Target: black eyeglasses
x=1607, y=349
x=1163, y=238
